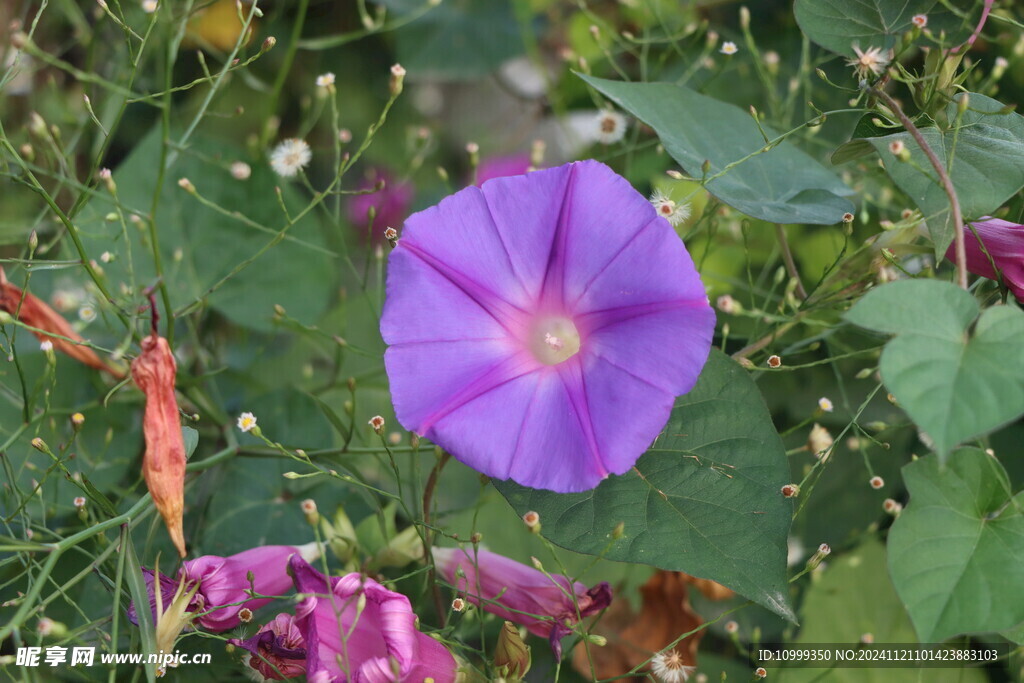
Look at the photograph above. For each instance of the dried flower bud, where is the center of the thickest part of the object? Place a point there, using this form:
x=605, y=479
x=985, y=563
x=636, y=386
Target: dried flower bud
x=877, y=482
x=34, y=312
x=458, y=605
x=774, y=361
x=791, y=490
x=163, y=464
x=892, y=507
x=377, y=422
x=760, y=672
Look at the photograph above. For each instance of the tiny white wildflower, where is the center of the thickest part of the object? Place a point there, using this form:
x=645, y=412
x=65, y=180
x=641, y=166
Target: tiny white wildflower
x=919, y=20
x=46, y=346
x=149, y=6
x=377, y=422
x=106, y=257
x=240, y=170
x=825, y=405
x=669, y=667
x=289, y=156
x=668, y=209
x=729, y=48
x=246, y=422
x=87, y=313
x=325, y=80
x=609, y=127
x=79, y=502
x=871, y=61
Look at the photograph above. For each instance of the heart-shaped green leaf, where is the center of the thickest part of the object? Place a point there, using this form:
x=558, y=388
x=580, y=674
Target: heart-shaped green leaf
x=956, y=551
x=704, y=500
x=781, y=185
x=984, y=152
x=954, y=385
x=838, y=25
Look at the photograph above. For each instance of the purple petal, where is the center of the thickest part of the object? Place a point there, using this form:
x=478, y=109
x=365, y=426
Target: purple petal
x=439, y=310
x=652, y=267
x=523, y=210
x=666, y=348
x=602, y=214
x=459, y=237
x=431, y=380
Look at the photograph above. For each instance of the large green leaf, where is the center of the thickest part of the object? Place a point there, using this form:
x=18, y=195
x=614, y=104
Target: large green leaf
x=985, y=152
x=953, y=384
x=458, y=39
x=706, y=500
x=200, y=246
x=956, y=552
x=838, y=25
x=856, y=586
x=782, y=185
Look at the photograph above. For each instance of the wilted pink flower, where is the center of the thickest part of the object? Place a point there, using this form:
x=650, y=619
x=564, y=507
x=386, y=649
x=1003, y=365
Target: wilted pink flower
x=1005, y=243
x=541, y=326
x=392, y=203
x=223, y=582
x=524, y=595
x=502, y=167
x=356, y=630
x=277, y=647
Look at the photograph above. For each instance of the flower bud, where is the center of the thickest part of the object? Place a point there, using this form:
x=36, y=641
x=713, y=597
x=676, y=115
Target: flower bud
x=511, y=655
x=40, y=445
x=268, y=44
x=397, y=78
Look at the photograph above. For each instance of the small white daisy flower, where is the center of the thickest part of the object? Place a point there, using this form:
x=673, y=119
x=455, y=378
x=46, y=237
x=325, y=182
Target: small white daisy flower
x=825, y=405
x=240, y=170
x=246, y=422
x=729, y=48
x=668, y=209
x=609, y=127
x=289, y=156
x=87, y=313
x=325, y=80
x=871, y=61
x=669, y=667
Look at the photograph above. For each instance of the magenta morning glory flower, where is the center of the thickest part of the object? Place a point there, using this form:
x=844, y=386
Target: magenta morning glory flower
x=521, y=594
x=1005, y=243
x=356, y=630
x=501, y=167
x=223, y=582
x=391, y=203
x=541, y=326
x=277, y=651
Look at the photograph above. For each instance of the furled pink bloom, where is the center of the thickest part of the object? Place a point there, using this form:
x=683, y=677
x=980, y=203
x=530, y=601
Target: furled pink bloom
x=540, y=602
x=502, y=167
x=1005, y=243
x=223, y=582
x=277, y=650
x=392, y=204
x=367, y=645
x=541, y=326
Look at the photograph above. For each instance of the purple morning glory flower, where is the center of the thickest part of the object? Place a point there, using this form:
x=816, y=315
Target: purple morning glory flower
x=543, y=603
x=1005, y=244
x=540, y=326
x=357, y=631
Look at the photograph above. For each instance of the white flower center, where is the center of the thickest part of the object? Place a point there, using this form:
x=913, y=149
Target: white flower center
x=554, y=340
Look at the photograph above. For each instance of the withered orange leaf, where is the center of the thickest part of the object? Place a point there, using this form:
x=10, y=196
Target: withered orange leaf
x=634, y=638
x=163, y=464
x=712, y=590
x=34, y=312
